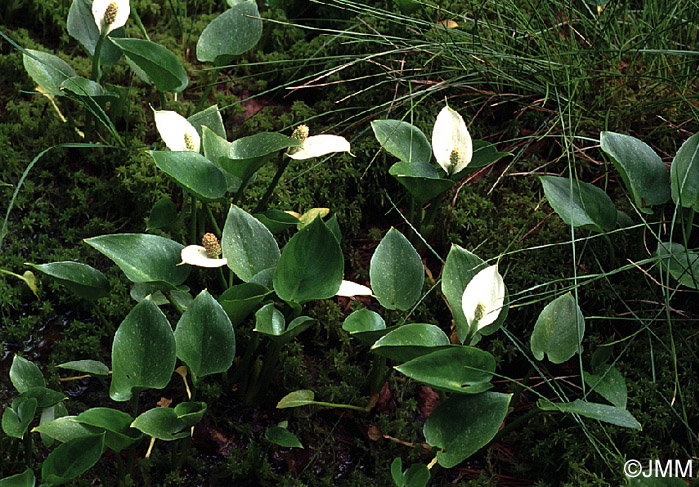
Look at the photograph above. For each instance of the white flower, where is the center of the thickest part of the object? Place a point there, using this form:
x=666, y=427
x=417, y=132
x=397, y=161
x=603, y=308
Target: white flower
x=196, y=255
x=349, y=289
x=451, y=142
x=318, y=145
x=176, y=131
x=110, y=14
x=483, y=298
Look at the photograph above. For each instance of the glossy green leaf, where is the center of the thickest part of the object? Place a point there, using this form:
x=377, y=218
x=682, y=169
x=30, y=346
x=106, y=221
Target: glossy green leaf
x=193, y=172
x=459, y=268
x=25, y=374
x=143, y=352
x=211, y=118
x=17, y=417
x=282, y=437
x=144, y=258
x=600, y=412
x=642, y=170
x=86, y=90
x=84, y=280
x=682, y=264
x=461, y=370
x=296, y=399
x=311, y=265
x=241, y=300
x=402, y=140
x=247, y=244
x=48, y=415
x=420, y=179
x=160, y=66
x=396, y=272
x=609, y=384
x=161, y=423
x=366, y=325
x=24, y=479
x=65, y=429
x=205, y=338
x=162, y=215
x=248, y=154
x=411, y=341
x=92, y=367
x=417, y=475
x=463, y=424
x=580, y=204
x=119, y=434
x=218, y=45
x=47, y=71
x=277, y=221
x=190, y=412
x=81, y=26
x=684, y=174
x=559, y=330
x=71, y=459
x=45, y=397
x=216, y=150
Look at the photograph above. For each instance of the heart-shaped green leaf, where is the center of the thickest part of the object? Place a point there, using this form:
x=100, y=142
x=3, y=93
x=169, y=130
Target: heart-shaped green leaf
x=119, y=435
x=462, y=370
x=45, y=397
x=190, y=412
x=282, y=437
x=368, y=326
x=277, y=221
x=580, y=204
x=65, y=429
x=84, y=280
x=71, y=459
x=193, y=172
x=421, y=179
x=682, y=264
x=17, y=417
x=143, y=352
x=144, y=258
x=559, y=330
x=241, y=300
x=47, y=71
x=684, y=174
x=218, y=45
x=205, y=338
x=311, y=265
x=25, y=374
x=247, y=244
x=396, y=272
x=411, y=341
x=609, y=384
x=402, y=140
x=161, y=423
x=24, y=479
x=642, y=170
x=162, y=215
x=463, y=424
x=159, y=65
x=211, y=118
x=92, y=367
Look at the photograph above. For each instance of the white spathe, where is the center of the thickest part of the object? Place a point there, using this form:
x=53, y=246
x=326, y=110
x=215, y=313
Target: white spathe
x=175, y=130
x=321, y=145
x=349, y=289
x=99, y=8
x=487, y=289
x=196, y=255
x=450, y=136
